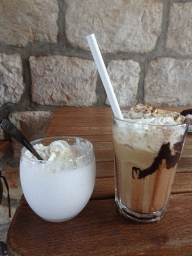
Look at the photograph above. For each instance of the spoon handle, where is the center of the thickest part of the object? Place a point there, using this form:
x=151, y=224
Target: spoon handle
x=11, y=129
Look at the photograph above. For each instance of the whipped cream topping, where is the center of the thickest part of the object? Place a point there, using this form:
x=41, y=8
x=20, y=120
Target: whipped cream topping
x=58, y=156
x=145, y=127
x=189, y=116
x=57, y=150
x=150, y=114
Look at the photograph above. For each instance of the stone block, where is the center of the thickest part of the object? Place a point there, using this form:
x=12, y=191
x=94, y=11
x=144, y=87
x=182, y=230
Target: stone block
x=168, y=82
x=4, y=214
x=179, y=35
x=5, y=220
x=12, y=176
x=118, y=26
x=1, y=134
x=59, y=81
x=124, y=76
x=25, y=21
x=1, y=153
x=11, y=78
x=3, y=233
x=33, y=124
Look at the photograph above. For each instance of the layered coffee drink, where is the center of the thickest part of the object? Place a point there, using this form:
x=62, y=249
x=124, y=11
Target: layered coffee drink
x=148, y=143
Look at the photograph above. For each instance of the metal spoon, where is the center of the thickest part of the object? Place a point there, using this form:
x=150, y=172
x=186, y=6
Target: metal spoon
x=11, y=129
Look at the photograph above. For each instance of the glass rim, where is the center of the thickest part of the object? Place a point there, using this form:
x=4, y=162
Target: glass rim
x=135, y=121
x=87, y=153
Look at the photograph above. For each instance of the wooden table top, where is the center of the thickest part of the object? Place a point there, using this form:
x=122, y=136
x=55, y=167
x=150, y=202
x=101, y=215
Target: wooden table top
x=4, y=144
x=99, y=229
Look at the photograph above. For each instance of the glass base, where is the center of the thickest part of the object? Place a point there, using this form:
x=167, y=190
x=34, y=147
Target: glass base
x=140, y=217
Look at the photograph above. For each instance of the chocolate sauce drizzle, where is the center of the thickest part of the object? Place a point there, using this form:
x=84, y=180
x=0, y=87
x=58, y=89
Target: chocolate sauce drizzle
x=164, y=153
x=186, y=112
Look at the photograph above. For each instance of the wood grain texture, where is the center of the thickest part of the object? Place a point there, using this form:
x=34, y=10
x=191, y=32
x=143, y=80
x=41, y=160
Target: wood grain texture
x=99, y=229
x=4, y=144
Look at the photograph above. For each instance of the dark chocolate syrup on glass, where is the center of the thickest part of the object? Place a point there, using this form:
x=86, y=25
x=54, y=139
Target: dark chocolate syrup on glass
x=164, y=154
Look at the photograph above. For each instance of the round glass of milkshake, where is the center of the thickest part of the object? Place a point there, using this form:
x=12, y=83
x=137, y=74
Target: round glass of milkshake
x=148, y=143
x=60, y=186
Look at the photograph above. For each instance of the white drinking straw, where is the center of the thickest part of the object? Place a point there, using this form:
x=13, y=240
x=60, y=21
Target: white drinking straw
x=104, y=75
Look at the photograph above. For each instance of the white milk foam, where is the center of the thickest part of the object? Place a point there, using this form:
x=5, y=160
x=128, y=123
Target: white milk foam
x=145, y=127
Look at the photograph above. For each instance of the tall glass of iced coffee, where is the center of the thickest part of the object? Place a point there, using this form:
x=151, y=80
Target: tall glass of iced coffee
x=148, y=143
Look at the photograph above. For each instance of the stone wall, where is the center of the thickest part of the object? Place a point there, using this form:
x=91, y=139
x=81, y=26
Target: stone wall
x=45, y=62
